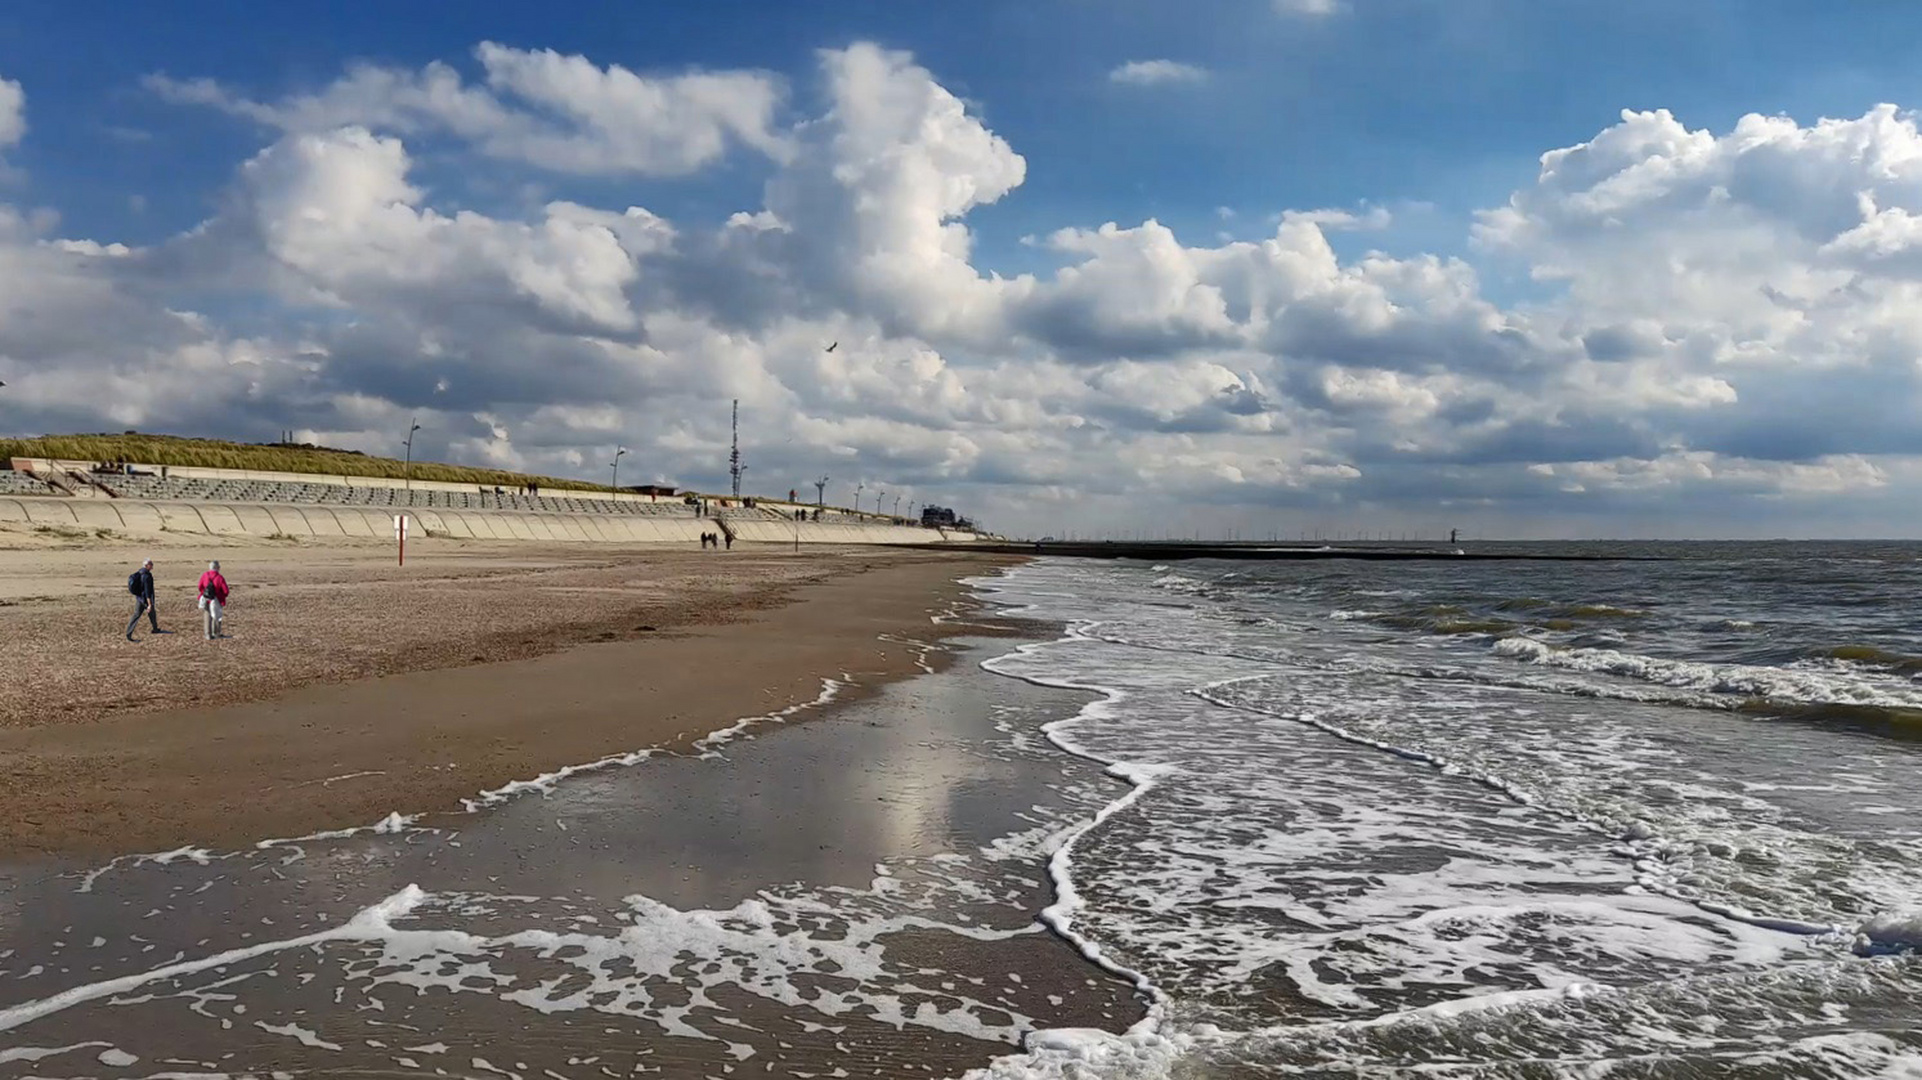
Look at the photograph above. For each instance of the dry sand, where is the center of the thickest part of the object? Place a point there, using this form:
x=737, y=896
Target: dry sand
x=349, y=687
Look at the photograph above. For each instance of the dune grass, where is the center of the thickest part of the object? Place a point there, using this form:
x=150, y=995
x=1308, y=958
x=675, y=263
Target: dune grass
x=142, y=449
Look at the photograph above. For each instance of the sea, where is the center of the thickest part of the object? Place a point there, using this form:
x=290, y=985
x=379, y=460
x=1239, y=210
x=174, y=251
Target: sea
x=1498, y=819
x=1658, y=815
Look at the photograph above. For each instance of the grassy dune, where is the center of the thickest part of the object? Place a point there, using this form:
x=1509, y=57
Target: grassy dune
x=217, y=454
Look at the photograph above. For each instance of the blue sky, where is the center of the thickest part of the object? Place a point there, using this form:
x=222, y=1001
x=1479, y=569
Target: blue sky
x=1394, y=101
x=1636, y=330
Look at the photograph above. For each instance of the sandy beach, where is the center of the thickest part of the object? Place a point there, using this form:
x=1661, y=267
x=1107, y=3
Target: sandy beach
x=854, y=894
x=350, y=688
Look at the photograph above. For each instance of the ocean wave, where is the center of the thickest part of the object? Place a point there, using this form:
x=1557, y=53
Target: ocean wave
x=1565, y=610
x=1892, y=933
x=1183, y=584
x=1872, y=656
x=1773, y=684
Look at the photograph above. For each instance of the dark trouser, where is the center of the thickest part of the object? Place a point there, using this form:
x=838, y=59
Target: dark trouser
x=143, y=606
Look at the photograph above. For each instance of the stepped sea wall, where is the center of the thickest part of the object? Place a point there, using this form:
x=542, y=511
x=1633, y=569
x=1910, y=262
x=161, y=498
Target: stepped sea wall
x=131, y=517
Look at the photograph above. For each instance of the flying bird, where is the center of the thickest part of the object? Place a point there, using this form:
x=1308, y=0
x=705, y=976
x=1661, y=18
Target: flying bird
x=831, y=348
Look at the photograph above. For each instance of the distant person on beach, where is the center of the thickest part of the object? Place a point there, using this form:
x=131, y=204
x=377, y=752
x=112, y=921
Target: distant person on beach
x=213, y=598
x=140, y=584
x=729, y=537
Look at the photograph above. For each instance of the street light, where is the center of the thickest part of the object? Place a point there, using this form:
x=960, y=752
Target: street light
x=615, y=486
x=858, y=489
x=897, y=506
x=878, y=500
x=410, y=460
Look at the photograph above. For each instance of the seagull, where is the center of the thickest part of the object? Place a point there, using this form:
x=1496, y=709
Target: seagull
x=831, y=348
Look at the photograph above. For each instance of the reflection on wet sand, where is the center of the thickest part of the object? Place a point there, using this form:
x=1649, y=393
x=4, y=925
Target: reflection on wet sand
x=853, y=893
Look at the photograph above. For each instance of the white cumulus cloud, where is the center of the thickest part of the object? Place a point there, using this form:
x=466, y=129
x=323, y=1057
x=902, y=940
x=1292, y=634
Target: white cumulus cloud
x=1157, y=72
x=1726, y=324
x=557, y=112
x=13, y=114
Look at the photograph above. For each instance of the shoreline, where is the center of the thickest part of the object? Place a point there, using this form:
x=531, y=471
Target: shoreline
x=857, y=892
x=344, y=745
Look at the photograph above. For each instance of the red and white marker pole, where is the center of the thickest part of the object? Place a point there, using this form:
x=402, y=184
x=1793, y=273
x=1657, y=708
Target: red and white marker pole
x=400, y=536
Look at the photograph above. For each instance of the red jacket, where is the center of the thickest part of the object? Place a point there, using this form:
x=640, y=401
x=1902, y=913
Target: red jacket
x=213, y=579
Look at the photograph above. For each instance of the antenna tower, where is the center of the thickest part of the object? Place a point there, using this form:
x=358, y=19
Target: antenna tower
x=734, y=469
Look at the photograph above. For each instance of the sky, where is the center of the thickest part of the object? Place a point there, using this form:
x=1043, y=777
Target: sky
x=1100, y=267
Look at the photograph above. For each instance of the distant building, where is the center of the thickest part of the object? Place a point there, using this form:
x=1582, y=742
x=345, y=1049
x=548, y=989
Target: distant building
x=941, y=517
x=661, y=490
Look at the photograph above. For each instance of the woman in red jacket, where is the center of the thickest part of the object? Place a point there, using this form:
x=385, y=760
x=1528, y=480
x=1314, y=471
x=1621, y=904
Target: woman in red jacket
x=213, y=598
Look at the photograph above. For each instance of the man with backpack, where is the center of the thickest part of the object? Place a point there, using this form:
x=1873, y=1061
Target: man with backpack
x=213, y=598
x=140, y=584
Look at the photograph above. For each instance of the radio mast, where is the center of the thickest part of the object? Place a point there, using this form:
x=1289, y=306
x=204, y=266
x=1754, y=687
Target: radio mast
x=734, y=469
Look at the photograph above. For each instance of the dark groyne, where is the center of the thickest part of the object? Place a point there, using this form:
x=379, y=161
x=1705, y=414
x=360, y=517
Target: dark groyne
x=1171, y=552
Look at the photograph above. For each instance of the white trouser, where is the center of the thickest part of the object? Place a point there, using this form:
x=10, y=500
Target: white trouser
x=213, y=618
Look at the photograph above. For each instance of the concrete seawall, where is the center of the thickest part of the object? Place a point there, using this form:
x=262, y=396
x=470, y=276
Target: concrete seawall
x=131, y=517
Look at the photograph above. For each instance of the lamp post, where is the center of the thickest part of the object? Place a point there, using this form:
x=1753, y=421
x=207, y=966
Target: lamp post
x=409, y=470
x=858, y=489
x=897, y=506
x=879, y=499
x=615, y=484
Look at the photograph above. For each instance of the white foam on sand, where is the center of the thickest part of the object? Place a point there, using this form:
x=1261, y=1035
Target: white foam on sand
x=202, y=856
x=395, y=823
x=1059, y=916
x=297, y=1033
x=371, y=923
x=391, y=825
x=545, y=783
x=41, y=1053
x=830, y=689
x=666, y=965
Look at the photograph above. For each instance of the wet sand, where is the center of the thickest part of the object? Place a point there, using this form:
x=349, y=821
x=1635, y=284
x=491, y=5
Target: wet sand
x=850, y=895
x=350, y=689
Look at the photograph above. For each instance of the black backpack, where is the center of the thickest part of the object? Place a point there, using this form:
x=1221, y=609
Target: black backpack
x=133, y=584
